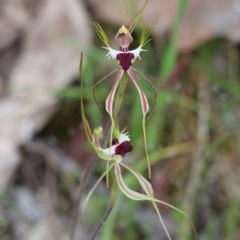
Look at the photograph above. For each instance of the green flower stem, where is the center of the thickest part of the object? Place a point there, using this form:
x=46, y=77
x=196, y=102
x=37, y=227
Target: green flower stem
x=108, y=211
x=119, y=96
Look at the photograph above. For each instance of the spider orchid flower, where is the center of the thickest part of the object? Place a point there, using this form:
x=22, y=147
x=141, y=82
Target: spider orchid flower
x=125, y=58
x=114, y=154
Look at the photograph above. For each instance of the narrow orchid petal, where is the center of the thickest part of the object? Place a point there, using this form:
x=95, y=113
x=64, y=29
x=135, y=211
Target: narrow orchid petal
x=145, y=108
x=110, y=98
x=125, y=190
x=147, y=188
x=96, y=84
x=93, y=188
x=138, y=196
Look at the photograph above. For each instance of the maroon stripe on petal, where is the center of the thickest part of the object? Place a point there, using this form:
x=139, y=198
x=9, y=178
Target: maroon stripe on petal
x=121, y=183
x=110, y=98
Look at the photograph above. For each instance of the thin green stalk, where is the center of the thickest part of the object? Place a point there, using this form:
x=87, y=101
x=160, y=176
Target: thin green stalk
x=109, y=210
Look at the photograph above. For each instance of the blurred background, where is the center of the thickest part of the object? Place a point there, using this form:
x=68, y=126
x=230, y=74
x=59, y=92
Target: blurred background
x=193, y=134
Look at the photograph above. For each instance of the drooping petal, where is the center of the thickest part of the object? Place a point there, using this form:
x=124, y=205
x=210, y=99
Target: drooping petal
x=147, y=188
x=126, y=190
x=153, y=88
x=96, y=84
x=143, y=98
x=136, y=195
x=110, y=100
x=145, y=108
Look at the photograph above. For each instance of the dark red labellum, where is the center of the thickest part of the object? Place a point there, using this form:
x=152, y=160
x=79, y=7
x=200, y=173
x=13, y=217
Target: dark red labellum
x=123, y=148
x=114, y=142
x=125, y=60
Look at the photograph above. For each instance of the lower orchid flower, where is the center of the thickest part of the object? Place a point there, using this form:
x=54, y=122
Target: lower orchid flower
x=114, y=154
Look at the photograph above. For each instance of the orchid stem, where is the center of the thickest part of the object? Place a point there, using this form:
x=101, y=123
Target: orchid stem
x=108, y=211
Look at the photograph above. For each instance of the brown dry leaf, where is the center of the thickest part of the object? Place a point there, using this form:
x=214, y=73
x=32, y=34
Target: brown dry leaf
x=203, y=19
x=47, y=61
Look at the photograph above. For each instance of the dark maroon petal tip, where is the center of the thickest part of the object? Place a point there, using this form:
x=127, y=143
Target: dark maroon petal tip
x=123, y=148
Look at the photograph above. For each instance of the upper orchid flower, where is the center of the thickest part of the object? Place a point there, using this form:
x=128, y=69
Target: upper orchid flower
x=125, y=58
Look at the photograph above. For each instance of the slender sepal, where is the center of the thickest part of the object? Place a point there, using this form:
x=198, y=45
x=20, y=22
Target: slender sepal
x=145, y=108
x=144, y=37
x=100, y=32
x=154, y=90
x=138, y=17
x=143, y=98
